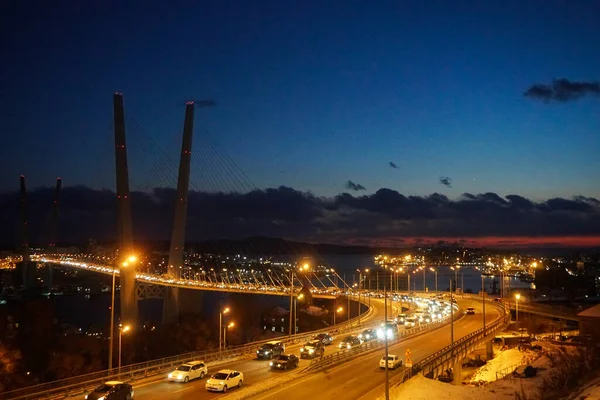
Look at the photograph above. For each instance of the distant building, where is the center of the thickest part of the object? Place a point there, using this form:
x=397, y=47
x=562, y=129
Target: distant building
x=276, y=320
x=589, y=322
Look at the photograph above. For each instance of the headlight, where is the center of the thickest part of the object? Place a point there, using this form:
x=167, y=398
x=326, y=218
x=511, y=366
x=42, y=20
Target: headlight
x=221, y=383
x=311, y=351
x=348, y=345
x=101, y=398
x=271, y=363
x=86, y=397
x=302, y=350
x=170, y=376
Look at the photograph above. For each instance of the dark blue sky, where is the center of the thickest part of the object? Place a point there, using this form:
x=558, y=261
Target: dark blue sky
x=310, y=94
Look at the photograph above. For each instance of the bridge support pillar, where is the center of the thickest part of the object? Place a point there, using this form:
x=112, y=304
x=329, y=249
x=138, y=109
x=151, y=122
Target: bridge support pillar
x=129, y=306
x=457, y=370
x=176, y=252
x=489, y=350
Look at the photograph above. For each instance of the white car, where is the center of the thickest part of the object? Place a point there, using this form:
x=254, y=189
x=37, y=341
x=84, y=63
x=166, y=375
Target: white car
x=393, y=362
x=224, y=379
x=188, y=371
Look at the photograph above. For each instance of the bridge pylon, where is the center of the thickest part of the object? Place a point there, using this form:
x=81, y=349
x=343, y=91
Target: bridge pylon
x=171, y=303
x=129, y=306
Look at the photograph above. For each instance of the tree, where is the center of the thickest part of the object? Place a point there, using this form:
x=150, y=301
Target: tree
x=9, y=366
x=75, y=355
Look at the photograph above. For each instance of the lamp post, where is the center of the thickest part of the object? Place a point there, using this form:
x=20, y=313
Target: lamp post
x=130, y=259
x=424, y=284
x=225, y=311
x=122, y=329
x=299, y=297
x=517, y=296
x=451, y=318
x=338, y=311
x=436, y=286
x=483, y=301
x=231, y=325
x=291, y=299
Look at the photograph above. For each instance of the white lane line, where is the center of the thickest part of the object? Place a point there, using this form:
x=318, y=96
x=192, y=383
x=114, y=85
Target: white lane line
x=181, y=390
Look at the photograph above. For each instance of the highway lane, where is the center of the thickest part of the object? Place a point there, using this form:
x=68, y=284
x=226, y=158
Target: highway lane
x=362, y=378
x=254, y=371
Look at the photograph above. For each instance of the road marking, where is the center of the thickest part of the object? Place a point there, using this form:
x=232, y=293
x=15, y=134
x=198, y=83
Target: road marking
x=181, y=390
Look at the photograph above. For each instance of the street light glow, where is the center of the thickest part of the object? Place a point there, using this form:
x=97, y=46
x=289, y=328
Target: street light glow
x=126, y=328
x=518, y=296
x=231, y=325
x=132, y=259
x=226, y=310
x=340, y=309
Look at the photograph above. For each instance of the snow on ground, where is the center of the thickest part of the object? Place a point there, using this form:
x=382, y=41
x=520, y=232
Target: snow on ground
x=590, y=392
x=421, y=388
x=501, y=361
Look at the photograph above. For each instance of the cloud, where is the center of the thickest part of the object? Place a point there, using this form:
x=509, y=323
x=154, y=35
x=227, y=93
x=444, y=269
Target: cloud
x=393, y=164
x=446, y=181
x=562, y=90
x=354, y=186
x=384, y=217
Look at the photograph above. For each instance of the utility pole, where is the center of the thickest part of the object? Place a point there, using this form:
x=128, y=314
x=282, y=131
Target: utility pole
x=291, y=298
x=451, y=319
x=385, y=335
x=483, y=299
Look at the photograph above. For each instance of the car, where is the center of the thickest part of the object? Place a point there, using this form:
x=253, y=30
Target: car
x=393, y=361
x=111, y=390
x=288, y=361
x=498, y=300
x=188, y=371
x=470, y=311
x=400, y=319
x=349, y=342
x=426, y=318
x=388, y=330
x=326, y=338
x=223, y=380
x=368, y=334
x=270, y=349
x=411, y=322
x=312, y=349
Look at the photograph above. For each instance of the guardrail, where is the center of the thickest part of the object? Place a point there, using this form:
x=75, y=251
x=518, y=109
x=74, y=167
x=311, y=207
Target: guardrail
x=509, y=370
x=340, y=356
x=435, y=361
x=154, y=367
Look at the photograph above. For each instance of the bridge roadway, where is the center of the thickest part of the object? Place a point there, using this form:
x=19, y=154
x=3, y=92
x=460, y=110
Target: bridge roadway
x=255, y=371
x=362, y=378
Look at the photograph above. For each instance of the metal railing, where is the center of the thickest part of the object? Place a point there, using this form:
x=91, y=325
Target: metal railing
x=150, y=368
x=509, y=370
x=343, y=355
x=433, y=362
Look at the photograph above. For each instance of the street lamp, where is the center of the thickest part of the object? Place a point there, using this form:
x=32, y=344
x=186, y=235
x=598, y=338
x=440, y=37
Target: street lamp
x=483, y=301
x=130, y=259
x=424, y=284
x=122, y=329
x=231, y=325
x=517, y=296
x=338, y=311
x=299, y=297
x=435, y=271
x=225, y=311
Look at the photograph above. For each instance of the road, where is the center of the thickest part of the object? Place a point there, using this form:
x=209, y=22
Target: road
x=362, y=378
x=254, y=371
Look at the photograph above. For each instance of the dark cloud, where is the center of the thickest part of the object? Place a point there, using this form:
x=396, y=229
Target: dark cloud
x=393, y=164
x=354, y=186
x=446, y=181
x=384, y=217
x=562, y=90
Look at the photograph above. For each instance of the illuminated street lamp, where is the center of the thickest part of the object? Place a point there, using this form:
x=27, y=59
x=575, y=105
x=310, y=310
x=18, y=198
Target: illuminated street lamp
x=338, y=311
x=435, y=271
x=517, y=296
x=131, y=259
x=225, y=311
x=122, y=330
x=229, y=326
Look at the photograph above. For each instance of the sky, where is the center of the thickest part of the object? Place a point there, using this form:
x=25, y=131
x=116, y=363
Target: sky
x=323, y=98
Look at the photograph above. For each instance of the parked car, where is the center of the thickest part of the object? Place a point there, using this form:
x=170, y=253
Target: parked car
x=393, y=361
x=312, y=349
x=270, y=349
x=188, y=371
x=326, y=338
x=223, y=380
x=111, y=390
x=288, y=361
